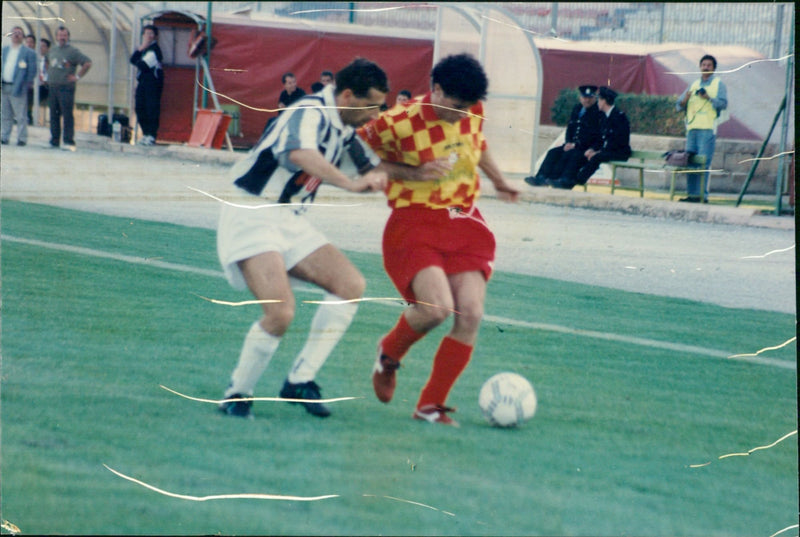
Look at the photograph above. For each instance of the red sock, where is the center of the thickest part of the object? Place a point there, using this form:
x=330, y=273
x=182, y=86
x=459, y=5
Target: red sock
x=450, y=360
x=396, y=343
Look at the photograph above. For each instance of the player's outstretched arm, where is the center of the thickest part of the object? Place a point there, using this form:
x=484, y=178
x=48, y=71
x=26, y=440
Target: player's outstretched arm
x=313, y=163
x=505, y=191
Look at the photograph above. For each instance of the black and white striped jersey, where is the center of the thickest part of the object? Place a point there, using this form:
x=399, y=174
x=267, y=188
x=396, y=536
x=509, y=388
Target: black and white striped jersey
x=310, y=123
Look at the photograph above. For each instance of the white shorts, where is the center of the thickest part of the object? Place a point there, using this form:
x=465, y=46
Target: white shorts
x=244, y=232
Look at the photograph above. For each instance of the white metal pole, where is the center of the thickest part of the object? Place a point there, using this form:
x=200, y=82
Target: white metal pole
x=132, y=119
x=37, y=82
x=437, y=40
x=112, y=56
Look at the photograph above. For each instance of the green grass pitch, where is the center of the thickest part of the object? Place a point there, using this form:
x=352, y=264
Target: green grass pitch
x=627, y=439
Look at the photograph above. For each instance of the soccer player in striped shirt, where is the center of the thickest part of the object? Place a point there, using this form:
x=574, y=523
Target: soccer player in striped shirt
x=264, y=246
x=437, y=248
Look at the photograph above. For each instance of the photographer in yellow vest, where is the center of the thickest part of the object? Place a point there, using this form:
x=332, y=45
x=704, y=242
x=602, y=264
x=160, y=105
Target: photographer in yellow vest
x=705, y=102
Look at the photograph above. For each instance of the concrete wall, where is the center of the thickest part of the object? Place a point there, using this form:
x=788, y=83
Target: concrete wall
x=731, y=159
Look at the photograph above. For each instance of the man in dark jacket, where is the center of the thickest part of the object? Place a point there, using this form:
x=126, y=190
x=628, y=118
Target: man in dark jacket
x=616, y=131
x=147, y=58
x=583, y=132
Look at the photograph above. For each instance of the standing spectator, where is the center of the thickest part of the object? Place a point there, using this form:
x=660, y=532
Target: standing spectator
x=616, y=131
x=63, y=75
x=291, y=92
x=150, y=83
x=325, y=79
x=44, y=65
x=19, y=70
x=30, y=42
x=437, y=248
x=403, y=96
x=44, y=48
x=704, y=102
x=261, y=247
x=583, y=132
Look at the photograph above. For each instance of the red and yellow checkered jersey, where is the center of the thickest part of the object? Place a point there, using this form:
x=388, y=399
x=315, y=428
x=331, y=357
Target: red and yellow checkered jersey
x=414, y=134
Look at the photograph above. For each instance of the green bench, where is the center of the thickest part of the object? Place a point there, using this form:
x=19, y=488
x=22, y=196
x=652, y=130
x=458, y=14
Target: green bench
x=654, y=160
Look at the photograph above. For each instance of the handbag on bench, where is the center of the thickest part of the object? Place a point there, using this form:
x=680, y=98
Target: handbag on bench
x=679, y=158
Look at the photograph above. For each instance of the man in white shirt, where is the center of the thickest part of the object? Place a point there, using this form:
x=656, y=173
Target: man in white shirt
x=18, y=72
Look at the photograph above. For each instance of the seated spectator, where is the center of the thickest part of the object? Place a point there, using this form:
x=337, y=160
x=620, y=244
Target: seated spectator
x=403, y=96
x=326, y=78
x=289, y=95
x=583, y=132
x=290, y=92
x=616, y=132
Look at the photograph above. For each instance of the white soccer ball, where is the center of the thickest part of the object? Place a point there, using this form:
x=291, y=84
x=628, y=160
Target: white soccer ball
x=507, y=400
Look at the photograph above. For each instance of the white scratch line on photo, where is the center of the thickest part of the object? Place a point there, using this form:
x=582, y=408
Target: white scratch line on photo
x=746, y=454
x=43, y=19
x=787, y=528
x=448, y=513
x=268, y=205
x=363, y=10
x=782, y=345
x=729, y=71
x=270, y=399
x=402, y=301
x=768, y=253
x=245, y=496
x=766, y=158
x=11, y=528
x=293, y=107
x=240, y=303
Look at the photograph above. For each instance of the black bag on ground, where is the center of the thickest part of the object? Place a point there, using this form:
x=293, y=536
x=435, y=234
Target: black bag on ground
x=104, y=127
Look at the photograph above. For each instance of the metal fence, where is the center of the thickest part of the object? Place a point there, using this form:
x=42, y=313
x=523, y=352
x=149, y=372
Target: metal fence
x=764, y=27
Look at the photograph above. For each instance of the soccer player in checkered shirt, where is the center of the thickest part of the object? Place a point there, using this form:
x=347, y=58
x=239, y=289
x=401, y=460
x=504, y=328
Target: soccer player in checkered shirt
x=437, y=248
x=262, y=244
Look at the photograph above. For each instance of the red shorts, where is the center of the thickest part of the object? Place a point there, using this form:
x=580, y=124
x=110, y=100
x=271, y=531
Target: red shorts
x=415, y=239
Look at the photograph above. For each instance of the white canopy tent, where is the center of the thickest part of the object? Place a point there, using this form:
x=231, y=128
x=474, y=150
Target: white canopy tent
x=104, y=31
x=512, y=64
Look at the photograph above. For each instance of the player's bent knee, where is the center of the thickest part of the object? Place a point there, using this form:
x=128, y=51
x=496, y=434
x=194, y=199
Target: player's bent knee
x=277, y=319
x=436, y=314
x=351, y=289
x=470, y=316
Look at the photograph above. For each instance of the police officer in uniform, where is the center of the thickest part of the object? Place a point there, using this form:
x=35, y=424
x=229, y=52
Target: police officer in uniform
x=583, y=132
x=616, y=144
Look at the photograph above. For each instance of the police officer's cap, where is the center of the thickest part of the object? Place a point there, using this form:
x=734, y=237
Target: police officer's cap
x=587, y=91
x=607, y=94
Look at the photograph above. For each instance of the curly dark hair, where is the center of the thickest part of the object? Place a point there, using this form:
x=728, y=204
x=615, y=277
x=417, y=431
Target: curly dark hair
x=461, y=76
x=360, y=76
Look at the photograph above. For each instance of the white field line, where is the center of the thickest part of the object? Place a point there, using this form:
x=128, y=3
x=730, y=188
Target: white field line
x=633, y=340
